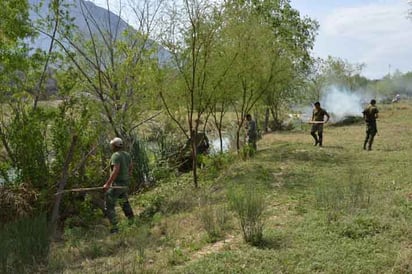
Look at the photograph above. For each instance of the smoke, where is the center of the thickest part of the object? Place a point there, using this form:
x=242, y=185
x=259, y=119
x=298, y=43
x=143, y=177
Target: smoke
x=342, y=103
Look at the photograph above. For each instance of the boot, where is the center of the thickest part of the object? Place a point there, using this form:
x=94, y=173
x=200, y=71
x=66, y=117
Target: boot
x=366, y=140
x=371, y=142
x=315, y=137
x=370, y=145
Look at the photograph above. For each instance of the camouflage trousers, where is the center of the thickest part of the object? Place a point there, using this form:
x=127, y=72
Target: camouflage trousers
x=251, y=141
x=112, y=196
x=318, y=138
x=371, y=130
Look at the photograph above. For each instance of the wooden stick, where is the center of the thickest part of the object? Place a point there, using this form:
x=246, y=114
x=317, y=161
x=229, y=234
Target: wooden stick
x=316, y=122
x=87, y=189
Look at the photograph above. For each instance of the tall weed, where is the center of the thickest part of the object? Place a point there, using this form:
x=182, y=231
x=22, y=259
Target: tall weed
x=214, y=220
x=24, y=245
x=248, y=202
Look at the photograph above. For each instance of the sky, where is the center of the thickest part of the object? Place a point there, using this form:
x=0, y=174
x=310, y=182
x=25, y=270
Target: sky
x=376, y=33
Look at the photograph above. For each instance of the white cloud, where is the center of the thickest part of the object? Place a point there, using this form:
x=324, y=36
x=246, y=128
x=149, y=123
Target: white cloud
x=367, y=21
x=377, y=34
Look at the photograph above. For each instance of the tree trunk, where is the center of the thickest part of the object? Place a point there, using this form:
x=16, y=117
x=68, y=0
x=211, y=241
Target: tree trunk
x=61, y=184
x=266, y=123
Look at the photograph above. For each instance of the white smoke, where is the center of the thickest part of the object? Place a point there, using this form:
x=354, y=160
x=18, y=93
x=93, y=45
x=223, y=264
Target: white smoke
x=342, y=103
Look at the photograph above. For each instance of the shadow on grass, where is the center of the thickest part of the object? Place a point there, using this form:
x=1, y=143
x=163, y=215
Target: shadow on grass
x=274, y=242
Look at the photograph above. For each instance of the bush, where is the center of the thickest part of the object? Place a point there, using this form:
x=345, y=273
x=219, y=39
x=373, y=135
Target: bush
x=249, y=203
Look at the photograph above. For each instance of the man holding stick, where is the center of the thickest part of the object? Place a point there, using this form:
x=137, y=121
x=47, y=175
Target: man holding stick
x=370, y=114
x=121, y=168
x=317, y=122
x=251, y=133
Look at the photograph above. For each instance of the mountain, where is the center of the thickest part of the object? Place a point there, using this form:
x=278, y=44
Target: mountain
x=104, y=19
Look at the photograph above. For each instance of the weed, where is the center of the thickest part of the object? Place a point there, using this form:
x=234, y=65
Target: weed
x=214, y=220
x=177, y=256
x=25, y=245
x=248, y=202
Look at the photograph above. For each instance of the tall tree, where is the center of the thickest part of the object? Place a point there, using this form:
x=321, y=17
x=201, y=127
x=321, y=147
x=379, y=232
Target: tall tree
x=190, y=38
x=293, y=39
x=116, y=63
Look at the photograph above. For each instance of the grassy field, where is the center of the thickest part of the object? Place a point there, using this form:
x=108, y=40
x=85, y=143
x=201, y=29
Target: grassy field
x=336, y=209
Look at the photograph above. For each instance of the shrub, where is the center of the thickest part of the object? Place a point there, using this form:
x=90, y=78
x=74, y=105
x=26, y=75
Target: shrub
x=248, y=202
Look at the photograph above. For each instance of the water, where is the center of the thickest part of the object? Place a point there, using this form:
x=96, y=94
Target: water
x=12, y=174
x=215, y=145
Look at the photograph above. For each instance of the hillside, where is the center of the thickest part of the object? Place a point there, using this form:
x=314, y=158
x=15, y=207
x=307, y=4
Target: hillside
x=336, y=209
x=100, y=17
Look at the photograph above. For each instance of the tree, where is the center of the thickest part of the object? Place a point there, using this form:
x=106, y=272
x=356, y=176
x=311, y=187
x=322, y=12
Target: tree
x=116, y=67
x=292, y=39
x=190, y=38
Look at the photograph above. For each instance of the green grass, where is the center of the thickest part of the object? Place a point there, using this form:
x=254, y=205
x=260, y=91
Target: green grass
x=336, y=209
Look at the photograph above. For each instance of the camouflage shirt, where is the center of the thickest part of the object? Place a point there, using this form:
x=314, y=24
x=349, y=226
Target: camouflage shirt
x=123, y=159
x=370, y=113
x=318, y=114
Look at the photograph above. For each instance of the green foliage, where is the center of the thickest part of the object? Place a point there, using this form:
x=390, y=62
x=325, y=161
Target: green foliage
x=214, y=220
x=143, y=239
x=27, y=140
x=82, y=211
x=14, y=27
x=361, y=226
x=152, y=203
x=140, y=164
x=25, y=245
x=215, y=163
x=247, y=152
x=177, y=256
x=179, y=199
x=248, y=202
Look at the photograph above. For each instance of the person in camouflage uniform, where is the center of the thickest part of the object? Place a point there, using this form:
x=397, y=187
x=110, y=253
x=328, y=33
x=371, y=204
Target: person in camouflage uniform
x=251, y=133
x=370, y=114
x=121, y=168
x=317, y=121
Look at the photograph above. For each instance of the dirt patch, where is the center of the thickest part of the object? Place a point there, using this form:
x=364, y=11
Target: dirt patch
x=213, y=248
